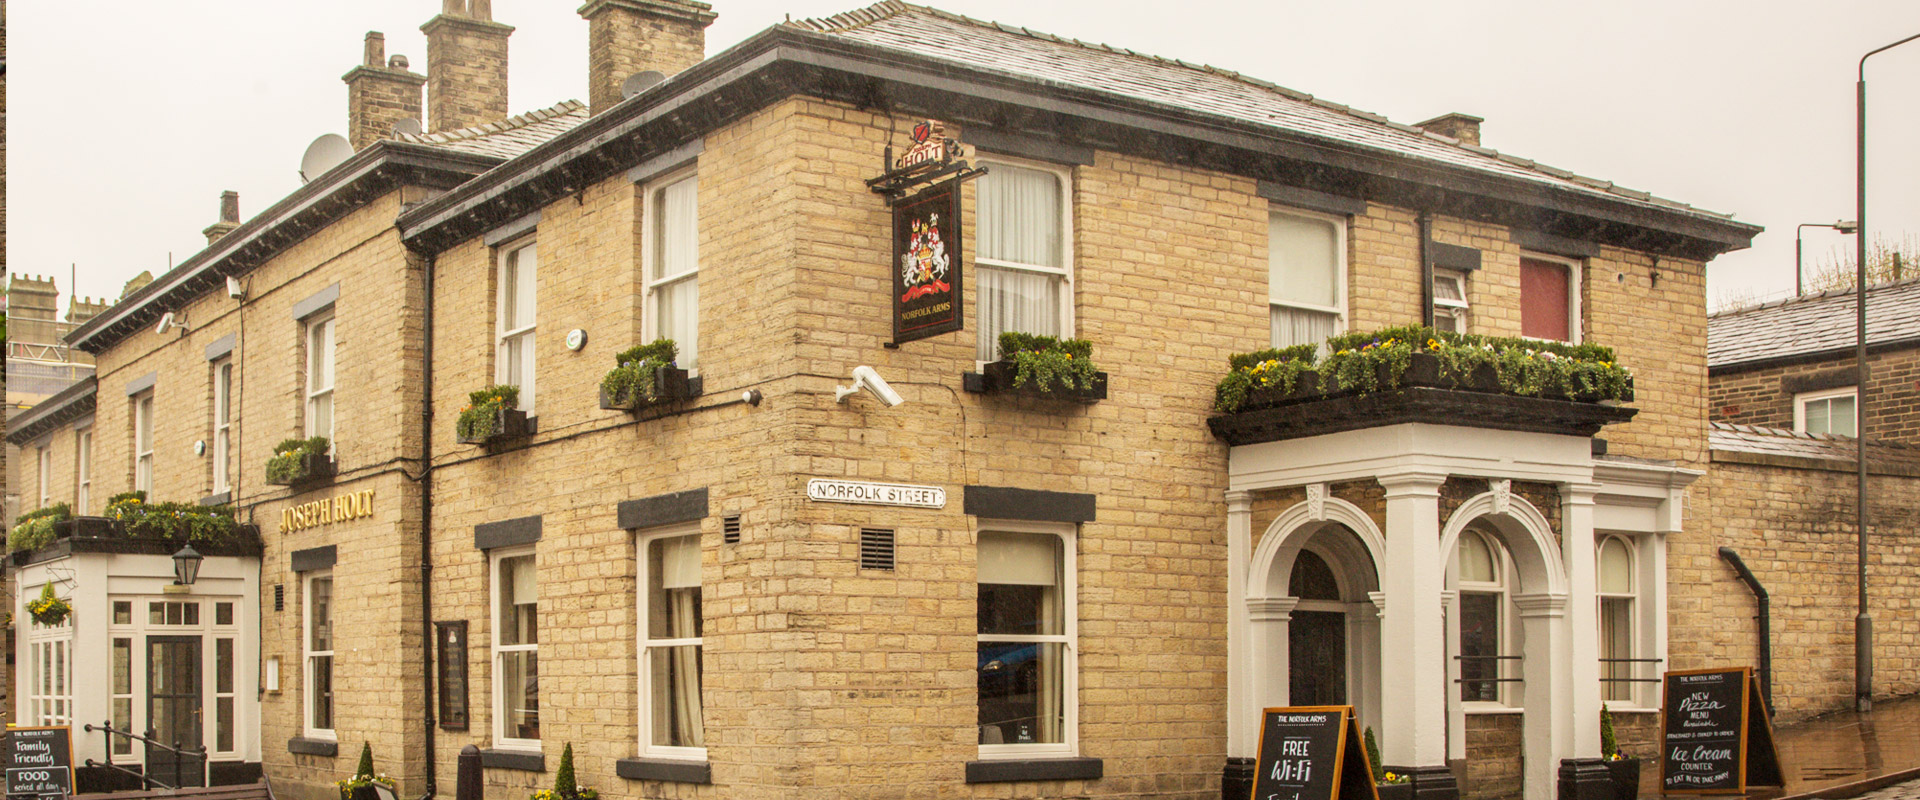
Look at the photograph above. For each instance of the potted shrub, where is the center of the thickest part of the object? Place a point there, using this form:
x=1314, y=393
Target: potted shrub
x=1388, y=785
x=1625, y=768
x=644, y=375
x=48, y=609
x=564, y=786
x=360, y=785
x=36, y=529
x=492, y=415
x=178, y=523
x=297, y=461
x=1043, y=366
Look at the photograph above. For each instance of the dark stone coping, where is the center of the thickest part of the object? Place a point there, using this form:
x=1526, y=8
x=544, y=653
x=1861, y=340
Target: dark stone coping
x=1453, y=256
x=142, y=383
x=220, y=347
x=246, y=545
x=512, y=230
x=1311, y=200
x=313, y=747
x=1416, y=404
x=220, y=499
x=651, y=769
x=315, y=558
x=1004, y=502
x=1821, y=381
x=664, y=509
x=1848, y=464
x=987, y=141
x=320, y=301
x=1550, y=244
x=522, y=760
x=507, y=533
x=233, y=773
x=1047, y=769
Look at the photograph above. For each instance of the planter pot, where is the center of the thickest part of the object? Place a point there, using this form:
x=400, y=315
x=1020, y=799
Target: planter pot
x=84, y=527
x=314, y=467
x=1394, y=791
x=1626, y=778
x=508, y=424
x=997, y=378
x=669, y=384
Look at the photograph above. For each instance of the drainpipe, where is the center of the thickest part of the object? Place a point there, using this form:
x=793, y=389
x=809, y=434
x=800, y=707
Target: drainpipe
x=1426, y=268
x=1766, y=632
x=427, y=637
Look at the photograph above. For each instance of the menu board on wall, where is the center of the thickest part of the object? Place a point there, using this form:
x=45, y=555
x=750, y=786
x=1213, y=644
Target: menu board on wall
x=1715, y=737
x=1311, y=753
x=39, y=762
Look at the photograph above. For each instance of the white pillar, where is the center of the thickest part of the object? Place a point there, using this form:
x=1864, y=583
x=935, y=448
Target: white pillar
x=1413, y=663
x=1271, y=619
x=1583, y=617
x=1456, y=708
x=1373, y=698
x=1243, y=719
x=1546, y=693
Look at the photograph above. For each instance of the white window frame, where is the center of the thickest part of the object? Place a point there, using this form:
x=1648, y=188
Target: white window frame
x=143, y=442
x=82, y=468
x=43, y=463
x=1507, y=625
x=49, y=668
x=1635, y=696
x=1065, y=272
x=321, y=323
x=121, y=633
x=1801, y=400
x=223, y=425
x=1069, y=651
x=308, y=654
x=650, y=253
x=1459, y=310
x=500, y=738
x=1339, y=309
x=505, y=338
x=1575, y=268
x=646, y=645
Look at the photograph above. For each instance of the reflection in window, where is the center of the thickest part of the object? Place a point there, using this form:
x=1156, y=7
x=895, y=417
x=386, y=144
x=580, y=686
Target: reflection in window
x=1023, y=642
x=516, y=648
x=671, y=660
x=1616, y=620
x=1482, y=617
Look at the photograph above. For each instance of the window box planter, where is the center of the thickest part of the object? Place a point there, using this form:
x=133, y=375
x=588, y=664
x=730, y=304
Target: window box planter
x=305, y=469
x=1394, y=791
x=670, y=384
x=997, y=377
x=85, y=528
x=508, y=424
x=1626, y=778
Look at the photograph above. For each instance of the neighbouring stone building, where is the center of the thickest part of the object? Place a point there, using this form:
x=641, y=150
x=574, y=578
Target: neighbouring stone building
x=1784, y=401
x=1088, y=596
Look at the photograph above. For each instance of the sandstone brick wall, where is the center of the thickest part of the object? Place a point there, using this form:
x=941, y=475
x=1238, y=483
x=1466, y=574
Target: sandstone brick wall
x=1794, y=528
x=1764, y=397
x=1494, y=767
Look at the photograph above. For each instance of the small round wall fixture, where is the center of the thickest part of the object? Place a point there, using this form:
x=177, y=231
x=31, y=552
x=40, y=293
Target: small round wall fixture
x=200, y=447
x=576, y=339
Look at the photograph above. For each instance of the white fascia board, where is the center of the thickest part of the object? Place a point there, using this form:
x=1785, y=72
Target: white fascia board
x=1411, y=447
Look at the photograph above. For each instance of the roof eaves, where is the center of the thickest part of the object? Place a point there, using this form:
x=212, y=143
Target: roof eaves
x=62, y=407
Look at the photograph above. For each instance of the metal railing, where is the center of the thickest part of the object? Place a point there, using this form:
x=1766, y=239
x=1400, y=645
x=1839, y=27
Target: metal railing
x=180, y=755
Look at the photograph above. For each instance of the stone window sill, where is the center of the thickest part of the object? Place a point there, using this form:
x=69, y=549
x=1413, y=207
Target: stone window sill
x=1049, y=769
x=523, y=760
x=655, y=769
x=301, y=745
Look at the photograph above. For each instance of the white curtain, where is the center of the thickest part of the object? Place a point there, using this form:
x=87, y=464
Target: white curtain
x=1019, y=222
x=686, y=671
x=677, y=304
x=1303, y=269
x=674, y=614
x=1292, y=326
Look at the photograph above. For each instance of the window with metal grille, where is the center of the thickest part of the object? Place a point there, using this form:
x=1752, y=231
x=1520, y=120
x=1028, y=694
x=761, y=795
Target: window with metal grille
x=279, y=597
x=876, y=548
x=730, y=529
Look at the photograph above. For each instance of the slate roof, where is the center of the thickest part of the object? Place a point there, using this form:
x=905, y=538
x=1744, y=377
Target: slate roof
x=1728, y=437
x=509, y=137
x=1814, y=323
x=976, y=44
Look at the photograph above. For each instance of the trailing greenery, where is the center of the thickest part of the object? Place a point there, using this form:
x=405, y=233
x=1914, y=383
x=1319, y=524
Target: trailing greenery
x=1609, y=746
x=1046, y=360
x=632, y=377
x=564, y=786
x=481, y=418
x=172, y=522
x=48, y=609
x=1358, y=362
x=363, y=775
x=289, y=461
x=34, y=529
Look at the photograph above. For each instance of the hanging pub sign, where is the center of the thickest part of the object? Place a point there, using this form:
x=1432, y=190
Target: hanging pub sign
x=923, y=188
x=1715, y=737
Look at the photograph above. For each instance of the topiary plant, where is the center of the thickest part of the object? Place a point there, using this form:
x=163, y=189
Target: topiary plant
x=1373, y=757
x=564, y=785
x=1609, y=746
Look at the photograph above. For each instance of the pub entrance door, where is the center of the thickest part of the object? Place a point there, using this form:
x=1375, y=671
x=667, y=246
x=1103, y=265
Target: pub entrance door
x=174, y=706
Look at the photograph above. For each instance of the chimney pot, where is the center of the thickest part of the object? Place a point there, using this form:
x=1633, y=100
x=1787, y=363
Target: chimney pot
x=229, y=217
x=397, y=62
x=376, y=49
x=1465, y=127
x=378, y=96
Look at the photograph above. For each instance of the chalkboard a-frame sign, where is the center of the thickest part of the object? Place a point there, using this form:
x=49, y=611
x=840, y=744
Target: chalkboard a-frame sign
x=39, y=762
x=1715, y=737
x=1311, y=753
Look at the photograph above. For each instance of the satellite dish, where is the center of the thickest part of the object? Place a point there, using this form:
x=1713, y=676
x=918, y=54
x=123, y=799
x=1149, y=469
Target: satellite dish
x=640, y=82
x=324, y=154
x=408, y=126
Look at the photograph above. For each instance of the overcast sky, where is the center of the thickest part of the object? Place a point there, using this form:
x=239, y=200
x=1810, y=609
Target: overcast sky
x=129, y=118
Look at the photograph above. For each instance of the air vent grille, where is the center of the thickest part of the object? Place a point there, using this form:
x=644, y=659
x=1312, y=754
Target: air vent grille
x=279, y=597
x=730, y=529
x=876, y=548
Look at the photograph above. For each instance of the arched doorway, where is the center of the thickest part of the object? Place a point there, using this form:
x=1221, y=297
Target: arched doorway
x=1316, y=635
x=1313, y=618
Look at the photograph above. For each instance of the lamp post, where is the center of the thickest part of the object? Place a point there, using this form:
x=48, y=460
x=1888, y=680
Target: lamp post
x=1842, y=226
x=1863, y=621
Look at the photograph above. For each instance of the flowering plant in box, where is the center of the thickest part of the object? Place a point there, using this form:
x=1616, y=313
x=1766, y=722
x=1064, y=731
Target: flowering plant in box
x=48, y=608
x=631, y=381
x=34, y=529
x=289, y=461
x=564, y=787
x=481, y=416
x=363, y=775
x=1047, y=361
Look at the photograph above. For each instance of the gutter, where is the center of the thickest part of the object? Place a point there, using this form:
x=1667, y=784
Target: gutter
x=1766, y=625
x=428, y=636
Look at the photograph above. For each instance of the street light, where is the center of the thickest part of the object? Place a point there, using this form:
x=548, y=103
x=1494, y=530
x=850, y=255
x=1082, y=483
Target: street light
x=186, y=566
x=1863, y=622
x=1841, y=226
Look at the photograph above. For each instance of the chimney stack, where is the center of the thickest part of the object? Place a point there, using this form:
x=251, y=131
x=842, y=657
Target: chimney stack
x=1465, y=127
x=229, y=217
x=466, y=66
x=380, y=93
x=629, y=36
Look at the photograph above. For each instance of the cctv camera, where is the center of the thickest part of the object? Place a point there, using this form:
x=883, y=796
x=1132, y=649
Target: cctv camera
x=166, y=321
x=864, y=377
x=234, y=289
